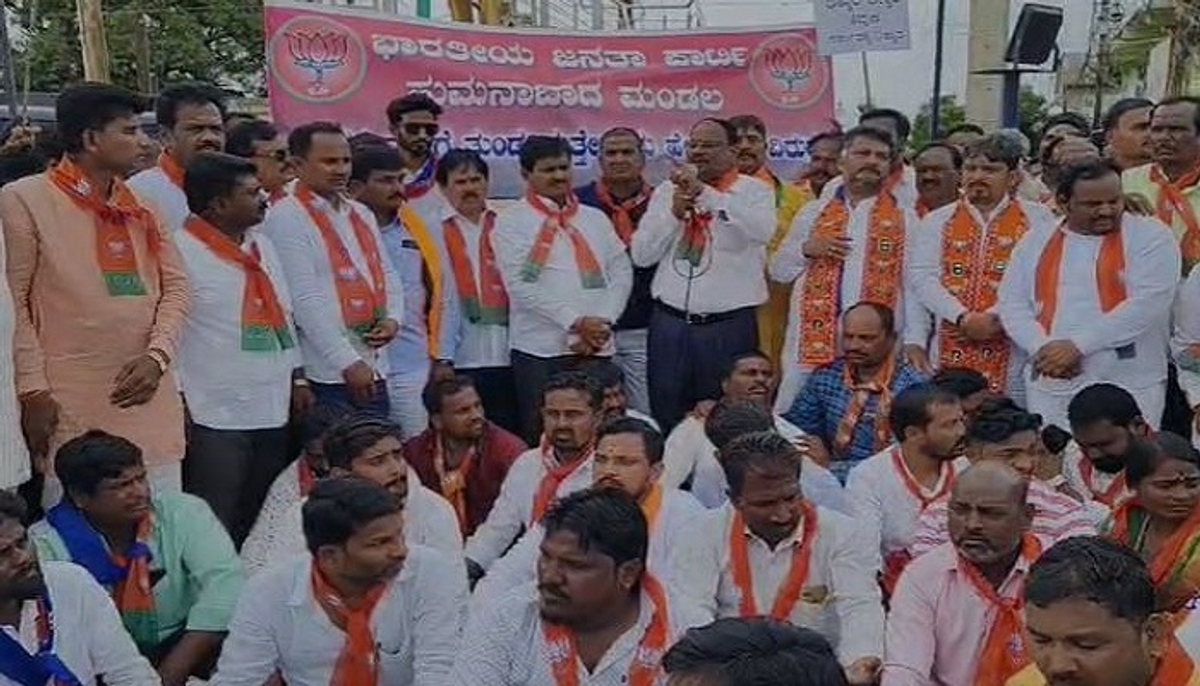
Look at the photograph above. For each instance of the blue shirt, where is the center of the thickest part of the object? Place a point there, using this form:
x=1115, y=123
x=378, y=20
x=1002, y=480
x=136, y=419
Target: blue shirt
x=820, y=407
x=410, y=349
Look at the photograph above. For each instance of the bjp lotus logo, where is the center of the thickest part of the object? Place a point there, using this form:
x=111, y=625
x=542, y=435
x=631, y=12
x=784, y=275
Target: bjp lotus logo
x=317, y=59
x=787, y=72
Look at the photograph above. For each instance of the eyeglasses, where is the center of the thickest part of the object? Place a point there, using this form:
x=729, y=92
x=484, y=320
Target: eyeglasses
x=414, y=129
x=279, y=156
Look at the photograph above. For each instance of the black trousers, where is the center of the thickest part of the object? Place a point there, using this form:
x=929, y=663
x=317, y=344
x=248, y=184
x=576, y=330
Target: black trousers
x=530, y=375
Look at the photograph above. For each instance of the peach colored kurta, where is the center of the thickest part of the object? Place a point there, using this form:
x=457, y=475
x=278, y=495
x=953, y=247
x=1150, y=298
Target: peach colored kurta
x=72, y=337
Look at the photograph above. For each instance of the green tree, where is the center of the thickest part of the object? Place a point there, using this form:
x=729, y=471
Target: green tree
x=952, y=115
x=1034, y=111
x=150, y=42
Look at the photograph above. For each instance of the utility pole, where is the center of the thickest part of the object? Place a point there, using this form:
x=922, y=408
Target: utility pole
x=91, y=36
x=10, y=67
x=935, y=124
x=989, y=38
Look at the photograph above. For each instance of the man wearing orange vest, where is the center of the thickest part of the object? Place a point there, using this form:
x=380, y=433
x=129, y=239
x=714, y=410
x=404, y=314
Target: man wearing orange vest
x=429, y=332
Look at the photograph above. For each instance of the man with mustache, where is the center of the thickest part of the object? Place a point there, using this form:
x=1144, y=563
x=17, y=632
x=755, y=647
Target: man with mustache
x=1105, y=421
x=462, y=456
x=567, y=275
x=771, y=552
x=616, y=404
x=429, y=329
x=1002, y=432
x=572, y=411
x=628, y=458
x=595, y=615
x=957, y=260
x=413, y=120
x=165, y=558
x=621, y=192
x=890, y=490
x=262, y=143
x=192, y=118
x=899, y=179
x=1090, y=300
x=751, y=151
x=691, y=456
x=938, y=170
x=824, y=152
x=347, y=295
x=955, y=617
x=847, y=247
x=1127, y=133
x=364, y=606
x=707, y=229
x=88, y=641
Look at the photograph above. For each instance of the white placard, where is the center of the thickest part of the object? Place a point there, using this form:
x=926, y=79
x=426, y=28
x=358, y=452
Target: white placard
x=862, y=26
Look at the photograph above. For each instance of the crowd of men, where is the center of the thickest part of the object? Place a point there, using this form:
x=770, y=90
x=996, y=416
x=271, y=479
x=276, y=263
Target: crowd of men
x=309, y=408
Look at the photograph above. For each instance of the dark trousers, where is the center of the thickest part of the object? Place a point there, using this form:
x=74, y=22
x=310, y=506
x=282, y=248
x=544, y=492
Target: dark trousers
x=336, y=396
x=498, y=391
x=530, y=375
x=1177, y=412
x=686, y=356
x=232, y=471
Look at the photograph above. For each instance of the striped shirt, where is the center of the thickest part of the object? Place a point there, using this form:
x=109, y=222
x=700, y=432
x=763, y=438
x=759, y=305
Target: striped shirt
x=1056, y=516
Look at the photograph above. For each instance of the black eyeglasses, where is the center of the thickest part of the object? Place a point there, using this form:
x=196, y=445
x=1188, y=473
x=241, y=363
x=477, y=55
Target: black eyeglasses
x=414, y=129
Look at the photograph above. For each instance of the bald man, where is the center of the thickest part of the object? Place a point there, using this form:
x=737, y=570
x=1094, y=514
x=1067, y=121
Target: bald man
x=953, y=617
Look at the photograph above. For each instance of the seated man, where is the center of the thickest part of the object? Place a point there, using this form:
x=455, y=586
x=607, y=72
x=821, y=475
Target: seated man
x=165, y=557
x=1105, y=421
x=616, y=402
x=462, y=456
x=771, y=552
x=594, y=615
x=88, y=642
x=844, y=405
x=362, y=607
x=692, y=458
x=954, y=617
x=759, y=651
x=367, y=445
x=628, y=458
x=1003, y=432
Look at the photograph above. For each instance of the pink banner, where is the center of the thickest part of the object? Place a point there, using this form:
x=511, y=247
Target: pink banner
x=499, y=85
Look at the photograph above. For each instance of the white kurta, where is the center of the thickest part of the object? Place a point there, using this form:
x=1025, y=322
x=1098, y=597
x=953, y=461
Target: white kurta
x=1186, y=334
x=158, y=192
x=14, y=456
x=1127, y=346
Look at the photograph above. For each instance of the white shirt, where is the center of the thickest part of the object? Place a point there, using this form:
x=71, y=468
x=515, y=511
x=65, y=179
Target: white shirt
x=789, y=265
x=14, y=456
x=1187, y=333
x=168, y=202
x=326, y=345
x=541, y=312
x=278, y=625
x=479, y=345
x=276, y=510
x=841, y=599
x=1128, y=345
x=883, y=504
x=689, y=453
x=508, y=647
x=667, y=540
x=729, y=276
x=226, y=387
x=1096, y=485
x=88, y=635
x=513, y=509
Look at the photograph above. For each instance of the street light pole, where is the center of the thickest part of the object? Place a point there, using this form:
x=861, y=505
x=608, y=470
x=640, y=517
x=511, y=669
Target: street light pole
x=935, y=124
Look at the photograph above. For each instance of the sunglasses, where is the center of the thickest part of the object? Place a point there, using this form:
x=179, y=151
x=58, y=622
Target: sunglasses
x=279, y=156
x=430, y=130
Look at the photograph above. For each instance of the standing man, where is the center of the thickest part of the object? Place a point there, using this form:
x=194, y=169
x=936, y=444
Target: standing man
x=824, y=154
x=707, y=229
x=959, y=256
x=848, y=247
x=751, y=149
x=1090, y=300
x=622, y=193
x=100, y=292
x=429, y=328
x=241, y=315
x=1127, y=133
x=567, y=275
x=192, y=118
x=261, y=142
x=938, y=168
x=413, y=119
x=347, y=296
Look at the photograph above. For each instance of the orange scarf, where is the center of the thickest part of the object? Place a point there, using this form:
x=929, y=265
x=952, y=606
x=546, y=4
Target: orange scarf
x=1004, y=652
x=113, y=217
x=1175, y=667
x=357, y=664
x=694, y=241
x=1171, y=568
x=646, y=666
x=973, y=277
x=1108, y=497
x=134, y=595
x=1172, y=202
x=362, y=304
x=881, y=385
x=171, y=169
x=558, y=221
x=793, y=585
x=453, y=482
x=555, y=474
x=883, y=263
x=264, y=324
x=622, y=212
x=1110, y=275
x=895, y=561
x=484, y=301
x=652, y=505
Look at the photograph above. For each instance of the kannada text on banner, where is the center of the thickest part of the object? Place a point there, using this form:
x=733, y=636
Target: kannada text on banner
x=499, y=85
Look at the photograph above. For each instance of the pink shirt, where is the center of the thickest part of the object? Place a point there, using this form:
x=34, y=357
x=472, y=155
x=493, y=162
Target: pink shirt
x=938, y=621
x=1056, y=516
